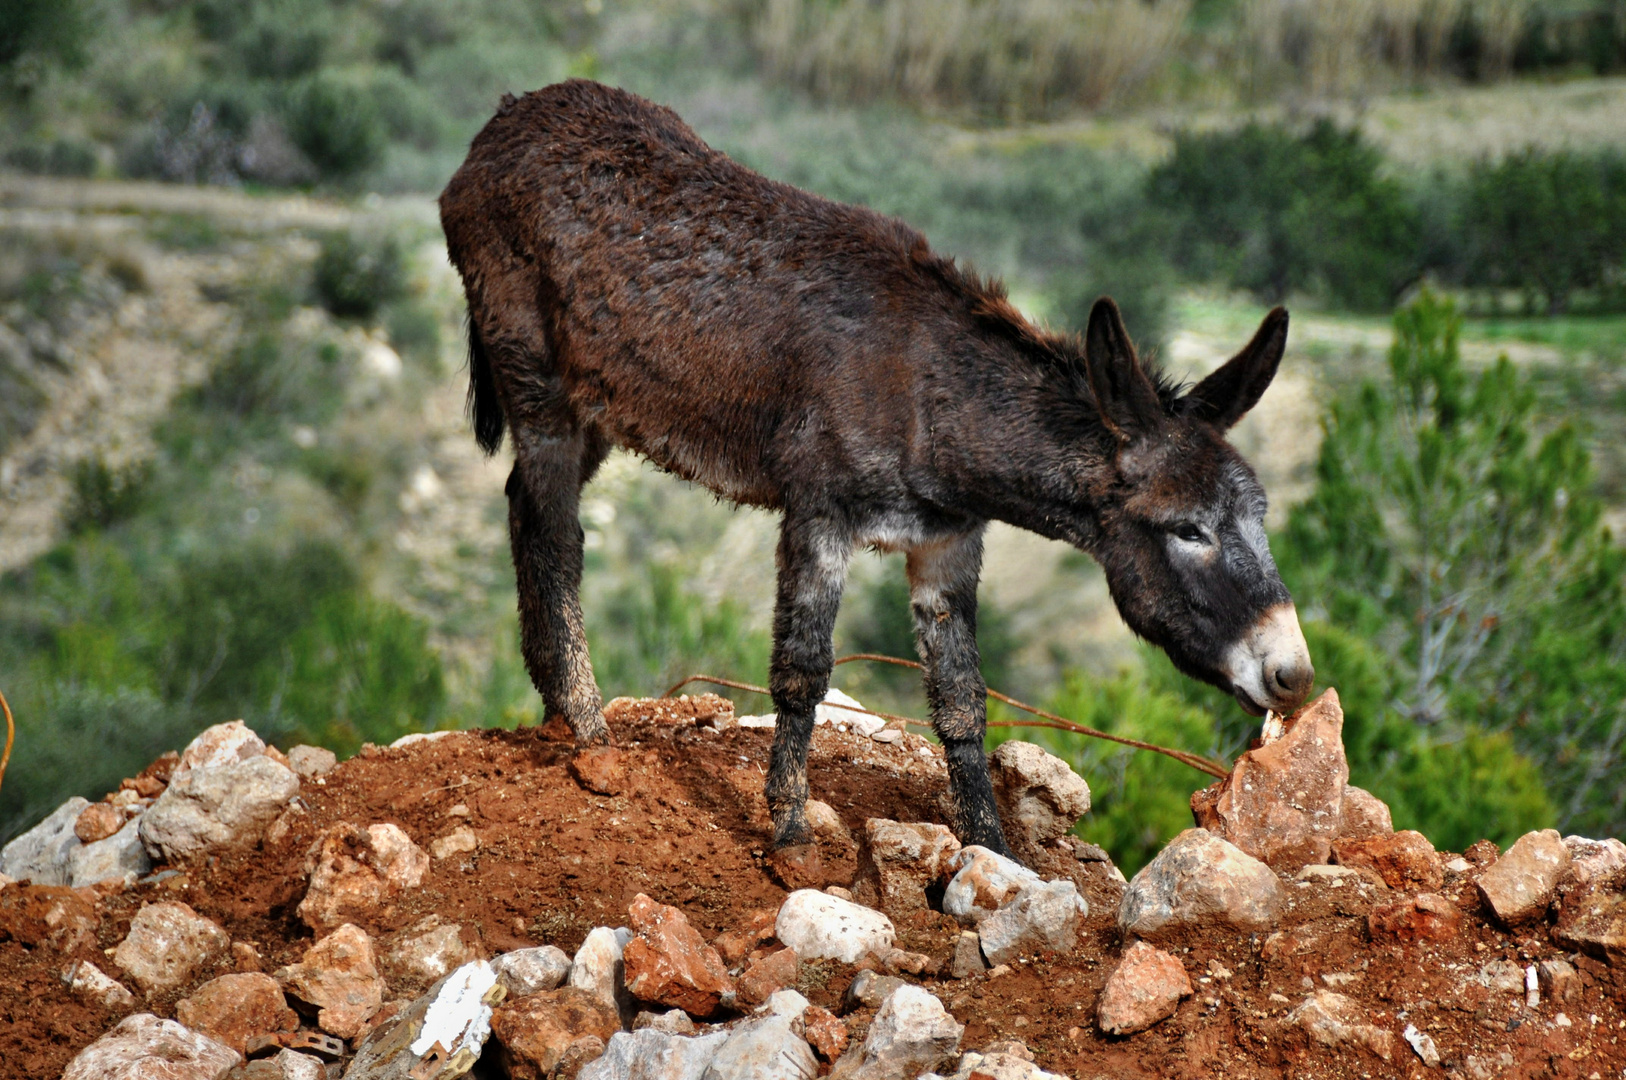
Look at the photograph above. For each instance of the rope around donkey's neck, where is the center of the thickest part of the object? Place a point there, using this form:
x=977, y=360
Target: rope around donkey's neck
x=1047, y=719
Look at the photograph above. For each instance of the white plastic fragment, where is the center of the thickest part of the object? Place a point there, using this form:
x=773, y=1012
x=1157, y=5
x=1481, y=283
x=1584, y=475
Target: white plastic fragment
x=1532, y=988
x=459, y=1017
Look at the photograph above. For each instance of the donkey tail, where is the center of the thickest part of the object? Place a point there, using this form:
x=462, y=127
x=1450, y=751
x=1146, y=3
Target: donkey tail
x=484, y=408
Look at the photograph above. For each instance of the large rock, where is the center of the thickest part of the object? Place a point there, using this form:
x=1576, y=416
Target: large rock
x=1283, y=802
x=114, y=858
x=1595, y=922
x=1404, y=860
x=534, y=1032
x=910, y=1034
x=312, y=761
x=1519, y=886
x=143, y=1047
x=1364, y=814
x=1336, y=1022
x=907, y=857
x=768, y=1048
x=649, y=1054
x=1595, y=860
x=824, y=927
x=235, y=1008
x=356, y=874
x=1040, y=797
x=339, y=976
x=984, y=881
x=41, y=854
x=598, y=968
x=1045, y=915
x=668, y=963
x=222, y=744
x=94, y=987
x=168, y=945
x=1144, y=988
x=430, y=949
x=530, y=971
x=207, y=806
x=1200, y=881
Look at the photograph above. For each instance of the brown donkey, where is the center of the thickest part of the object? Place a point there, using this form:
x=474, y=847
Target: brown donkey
x=630, y=286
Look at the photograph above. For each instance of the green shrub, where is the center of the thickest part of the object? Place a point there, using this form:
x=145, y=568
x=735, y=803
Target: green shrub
x=355, y=276
x=336, y=123
x=104, y=495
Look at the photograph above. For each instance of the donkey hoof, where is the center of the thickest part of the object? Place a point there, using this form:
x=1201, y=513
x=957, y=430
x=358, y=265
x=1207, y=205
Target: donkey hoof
x=797, y=866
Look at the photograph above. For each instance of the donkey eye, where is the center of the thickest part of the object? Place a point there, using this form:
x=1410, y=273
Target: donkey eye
x=1190, y=533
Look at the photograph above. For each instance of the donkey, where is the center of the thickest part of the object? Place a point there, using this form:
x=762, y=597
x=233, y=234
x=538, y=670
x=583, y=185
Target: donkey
x=629, y=286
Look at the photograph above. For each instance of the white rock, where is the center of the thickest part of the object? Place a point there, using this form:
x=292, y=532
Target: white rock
x=530, y=971
x=312, y=761
x=297, y=1066
x=911, y=1033
x=1423, y=1045
x=222, y=744
x=859, y=723
x=143, y=1047
x=597, y=968
x=1201, y=881
x=91, y=984
x=1335, y=875
x=1044, y=915
x=168, y=944
x=648, y=1054
x=1040, y=796
x=997, y=1066
x=787, y=1003
x=983, y=882
x=118, y=856
x=418, y=737
x=41, y=854
x=824, y=927
x=1594, y=859
x=459, y=1017
x=214, y=805
x=765, y=1049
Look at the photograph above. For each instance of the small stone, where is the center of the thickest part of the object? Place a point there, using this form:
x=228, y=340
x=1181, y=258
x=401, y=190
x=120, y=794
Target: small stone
x=787, y=1003
x=355, y=874
x=906, y=859
x=668, y=963
x=339, y=976
x=41, y=854
x=1335, y=1021
x=968, y=959
x=168, y=944
x=600, y=769
x=1559, y=980
x=530, y=971
x=1405, y=860
x=1039, y=795
x=910, y=1034
x=1487, y=1066
x=1146, y=987
x=98, y=821
x=1458, y=865
x=1595, y=922
x=735, y=945
x=903, y=962
x=235, y=1008
x=1595, y=860
x=429, y=950
x=598, y=968
x=869, y=990
x=118, y=857
x=1283, y=801
x=822, y=927
x=649, y=1054
x=297, y=1066
x=143, y=1047
x=1200, y=881
x=1501, y=977
x=57, y=917
x=984, y=881
x=763, y=976
x=90, y=984
x=312, y=761
x=1363, y=814
x=535, y=1031
x=1044, y=916
x=1519, y=885
x=246, y=957
x=1424, y=917
x=825, y=822
x=825, y=1032
x=456, y=842
x=211, y=805
x=222, y=744
x=1423, y=1045
x=672, y=1021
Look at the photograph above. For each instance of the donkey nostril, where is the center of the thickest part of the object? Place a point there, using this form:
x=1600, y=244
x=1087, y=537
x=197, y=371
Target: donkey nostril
x=1294, y=677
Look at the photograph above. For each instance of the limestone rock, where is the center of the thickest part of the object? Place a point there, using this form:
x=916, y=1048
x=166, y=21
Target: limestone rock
x=430, y=949
x=984, y=881
x=41, y=854
x=990, y=1064
x=530, y=971
x=598, y=968
x=357, y=873
x=210, y=805
x=222, y=744
x=535, y=1031
x=1364, y=814
x=339, y=976
x=1283, y=802
x=456, y=842
x=168, y=944
x=1595, y=860
x=672, y=1022
x=1558, y=979
x=654, y=1055
x=1199, y=880
x=98, y=821
x=1404, y=860
x=1423, y=917
x=1595, y=922
x=907, y=857
x=1501, y=977
x=668, y=963
x=1044, y=915
x=114, y=857
x=968, y=959
x=235, y=1008
x=1519, y=885
x=824, y=821
x=823, y=927
x=312, y=761
x=297, y=1066
x=824, y=1032
x=93, y=986
x=143, y=1047
x=763, y=1049
x=1146, y=987
x=53, y=916
x=870, y=990
x=911, y=1033
x=1335, y=1021
x=1039, y=795
x=767, y=974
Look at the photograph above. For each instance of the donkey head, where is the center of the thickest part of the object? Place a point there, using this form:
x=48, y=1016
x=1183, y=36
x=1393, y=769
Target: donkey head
x=1181, y=518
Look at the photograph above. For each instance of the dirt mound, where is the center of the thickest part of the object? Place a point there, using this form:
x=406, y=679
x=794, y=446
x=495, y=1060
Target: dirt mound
x=678, y=814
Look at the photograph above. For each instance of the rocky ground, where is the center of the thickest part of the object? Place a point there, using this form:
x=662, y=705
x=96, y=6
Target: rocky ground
x=497, y=903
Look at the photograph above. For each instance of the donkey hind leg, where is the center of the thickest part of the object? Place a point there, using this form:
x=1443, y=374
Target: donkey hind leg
x=543, y=492
x=943, y=599
x=813, y=558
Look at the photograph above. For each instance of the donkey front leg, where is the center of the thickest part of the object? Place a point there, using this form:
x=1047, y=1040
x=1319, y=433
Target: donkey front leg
x=943, y=599
x=813, y=557
x=543, y=492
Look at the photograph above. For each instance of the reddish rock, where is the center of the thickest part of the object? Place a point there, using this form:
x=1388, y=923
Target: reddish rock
x=235, y=1008
x=1146, y=987
x=98, y=821
x=763, y=976
x=534, y=1033
x=1482, y=852
x=355, y=874
x=150, y=782
x=1283, y=802
x=825, y=1032
x=668, y=963
x=600, y=769
x=1364, y=814
x=735, y=945
x=339, y=976
x=168, y=945
x=905, y=858
x=1424, y=917
x=143, y=1047
x=1594, y=921
x=54, y=916
x=1519, y=886
x=1404, y=860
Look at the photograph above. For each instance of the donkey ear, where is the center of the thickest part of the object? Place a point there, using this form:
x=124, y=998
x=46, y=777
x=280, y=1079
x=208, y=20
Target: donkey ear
x=1126, y=398
x=1225, y=396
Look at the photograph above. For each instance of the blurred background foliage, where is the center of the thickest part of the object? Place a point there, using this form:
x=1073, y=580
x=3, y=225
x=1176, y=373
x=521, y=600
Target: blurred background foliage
x=1372, y=162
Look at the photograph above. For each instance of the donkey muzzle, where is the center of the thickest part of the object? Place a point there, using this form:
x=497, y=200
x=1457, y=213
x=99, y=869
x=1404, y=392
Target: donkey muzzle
x=1269, y=666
